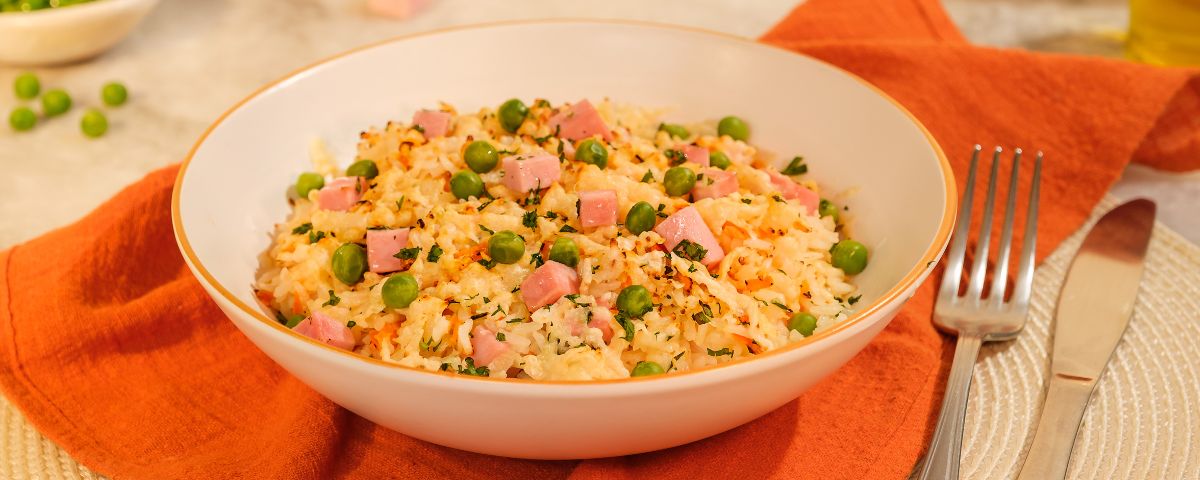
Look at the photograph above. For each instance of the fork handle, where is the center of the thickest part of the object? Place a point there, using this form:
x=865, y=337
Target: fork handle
x=1050, y=453
x=941, y=462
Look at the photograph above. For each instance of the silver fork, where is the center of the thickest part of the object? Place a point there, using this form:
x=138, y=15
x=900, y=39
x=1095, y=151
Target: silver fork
x=972, y=317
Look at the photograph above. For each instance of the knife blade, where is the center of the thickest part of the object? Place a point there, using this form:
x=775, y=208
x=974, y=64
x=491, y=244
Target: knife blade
x=1094, y=308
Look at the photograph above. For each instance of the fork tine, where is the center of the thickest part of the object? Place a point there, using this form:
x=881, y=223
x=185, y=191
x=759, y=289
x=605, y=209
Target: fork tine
x=1000, y=276
x=1021, y=290
x=979, y=266
x=958, y=248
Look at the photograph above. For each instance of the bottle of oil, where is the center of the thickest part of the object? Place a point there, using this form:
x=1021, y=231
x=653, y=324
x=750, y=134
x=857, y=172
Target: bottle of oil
x=1164, y=32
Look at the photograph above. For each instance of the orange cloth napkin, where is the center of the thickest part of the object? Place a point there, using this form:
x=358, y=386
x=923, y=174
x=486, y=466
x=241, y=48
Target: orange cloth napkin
x=113, y=351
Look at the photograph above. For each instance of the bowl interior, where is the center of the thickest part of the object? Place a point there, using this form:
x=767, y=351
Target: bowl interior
x=860, y=146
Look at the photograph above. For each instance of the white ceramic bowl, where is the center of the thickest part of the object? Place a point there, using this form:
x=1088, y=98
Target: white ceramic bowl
x=61, y=35
x=230, y=193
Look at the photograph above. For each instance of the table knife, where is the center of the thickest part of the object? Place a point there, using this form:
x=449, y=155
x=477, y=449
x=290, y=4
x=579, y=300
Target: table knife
x=1093, y=311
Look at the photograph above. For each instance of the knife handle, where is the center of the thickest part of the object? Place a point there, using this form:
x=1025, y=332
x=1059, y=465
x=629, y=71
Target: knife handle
x=1050, y=453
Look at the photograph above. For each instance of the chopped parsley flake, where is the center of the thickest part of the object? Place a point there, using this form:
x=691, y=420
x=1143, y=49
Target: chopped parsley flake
x=500, y=336
x=703, y=316
x=853, y=300
x=435, y=252
x=567, y=229
x=777, y=303
x=302, y=229
x=627, y=324
x=746, y=201
x=478, y=316
x=333, y=300
x=796, y=167
x=487, y=263
x=408, y=253
x=675, y=157
x=648, y=177
x=536, y=260
x=515, y=320
x=660, y=213
x=400, y=203
x=690, y=250
x=529, y=219
x=777, y=198
x=314, y=237
x=351, y=324
x=718, y=353
x=487, y=230
x=471, y=369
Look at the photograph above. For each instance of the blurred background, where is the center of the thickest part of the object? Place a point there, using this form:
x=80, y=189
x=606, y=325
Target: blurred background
x=190, y=60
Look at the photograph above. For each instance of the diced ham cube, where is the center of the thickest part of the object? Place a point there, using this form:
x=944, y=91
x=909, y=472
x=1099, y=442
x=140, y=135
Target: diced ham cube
x=547, y=284
x=602, y=319
x=686, y=224
x=597, y=208
x=695, y=154
x=794, y=191
x=341, y=193
x=433, y=123
x=485, y=347
x=523, y=173
x=580, y=121
x=715, y=184
x=326, y=330
x=382, y=247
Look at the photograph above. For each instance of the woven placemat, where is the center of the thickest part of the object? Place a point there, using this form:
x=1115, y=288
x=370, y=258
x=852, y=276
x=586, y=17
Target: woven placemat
x=1140, y=424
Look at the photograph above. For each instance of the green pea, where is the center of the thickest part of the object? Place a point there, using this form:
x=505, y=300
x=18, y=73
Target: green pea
x=93, y=123
x=644, y=369
x=593, y=152
x=307, y=182
x=506, y=247
x=349, y=263
x=55, y=102
x=466, y=184
x=640, y=218
x=512, y=114
x=481, y=156
x=399, y=290
x=827, y=209
x=678, y=181
x=114, y=94
x=565, y=251
x=363, y=168
x=735, y=127
x=22, y=119
x=27, y=86
x=719, y=160
x=803, y=322
x=634, y=301
x=850, y=256
x=674, y=130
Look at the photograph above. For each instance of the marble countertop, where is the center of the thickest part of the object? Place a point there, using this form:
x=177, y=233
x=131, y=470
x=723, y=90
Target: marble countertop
x=192, y=59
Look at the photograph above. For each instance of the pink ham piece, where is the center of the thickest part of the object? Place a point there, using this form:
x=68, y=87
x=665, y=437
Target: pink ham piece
x=602, y=318
x=523, y=173
x=341, y=193
x=686, y=224
x=597, y=208
x=382, y=247
x=326, y=330
x=433, y=123
x=578, y=122
x=715, y=184
x=485, y=347
x=794, y=191
x=547, y=284
x=695, y=154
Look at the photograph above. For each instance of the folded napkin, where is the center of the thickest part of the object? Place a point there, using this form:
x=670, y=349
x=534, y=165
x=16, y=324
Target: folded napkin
x=112, y=350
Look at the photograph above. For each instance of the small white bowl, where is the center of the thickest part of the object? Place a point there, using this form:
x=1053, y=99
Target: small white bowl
x=61, y=35
x=230, y=194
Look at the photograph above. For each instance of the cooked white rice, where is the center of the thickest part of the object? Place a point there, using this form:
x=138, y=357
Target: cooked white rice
x=777, y=256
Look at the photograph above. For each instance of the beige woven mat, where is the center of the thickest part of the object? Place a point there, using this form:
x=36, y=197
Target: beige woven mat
x=1140, y=425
